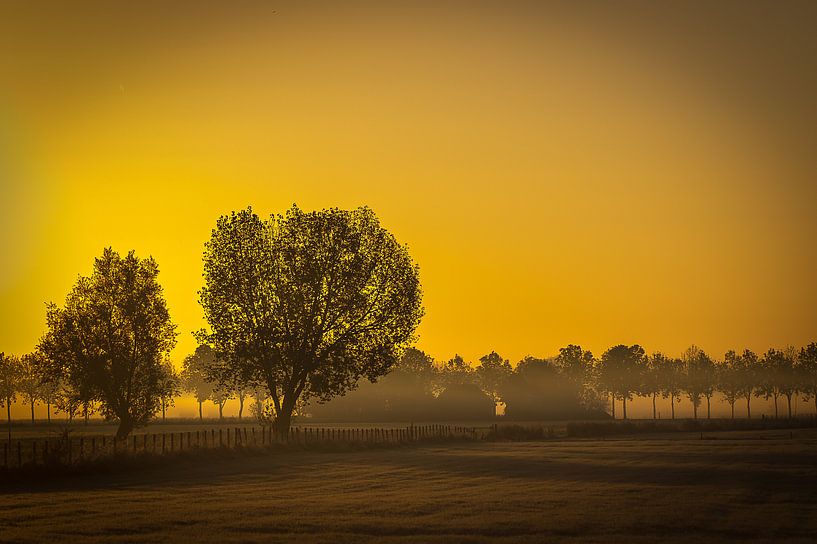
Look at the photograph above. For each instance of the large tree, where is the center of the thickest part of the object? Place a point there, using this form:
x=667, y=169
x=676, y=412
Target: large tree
x=307, y=303
x=110, y=338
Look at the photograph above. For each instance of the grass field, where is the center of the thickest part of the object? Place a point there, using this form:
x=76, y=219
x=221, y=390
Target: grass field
x=759, y=486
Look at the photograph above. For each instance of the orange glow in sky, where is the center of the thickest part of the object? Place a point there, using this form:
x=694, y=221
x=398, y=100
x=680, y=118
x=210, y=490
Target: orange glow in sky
x=561, y=175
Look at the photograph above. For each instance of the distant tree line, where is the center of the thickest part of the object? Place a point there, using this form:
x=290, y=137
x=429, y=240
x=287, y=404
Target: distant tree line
x=575, y=384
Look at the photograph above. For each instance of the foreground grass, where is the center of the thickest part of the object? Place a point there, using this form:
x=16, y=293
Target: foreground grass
x=747, y=486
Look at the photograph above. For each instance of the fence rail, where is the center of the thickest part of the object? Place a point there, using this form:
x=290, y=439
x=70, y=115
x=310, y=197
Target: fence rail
x=68, y=450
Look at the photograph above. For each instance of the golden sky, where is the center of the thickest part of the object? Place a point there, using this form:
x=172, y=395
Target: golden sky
x=562, y=174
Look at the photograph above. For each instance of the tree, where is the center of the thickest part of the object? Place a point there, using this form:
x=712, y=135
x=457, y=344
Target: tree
x=672, y=380
x=170, y=386
x=749, y=377
x=68, y=400
x=29, y=379
x=242, y=392
x=619, y=370
x=307, y=303
x=576, y=365
x=492, y=374
x=807, y=365
x=652, y=377
x=9, y=376
x=787, y=375
x=730, y=378
x=110, y=338
x=699, y=374
x=772, y=366
x=49, y=392
x=220, y=396
x=195, y=374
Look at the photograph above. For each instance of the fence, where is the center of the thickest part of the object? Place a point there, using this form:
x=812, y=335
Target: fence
x=71, y=450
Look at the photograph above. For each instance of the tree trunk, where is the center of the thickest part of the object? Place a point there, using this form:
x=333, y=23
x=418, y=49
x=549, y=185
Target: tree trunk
x=200, y=411
x=653, y=406
x=240, y=407
x=749, y=406
x=788, y=398
x=283, y=419
x=8, y=415
x=164, y=410
x=125, y=427
x=32, y=410
x=694, y=410
x=613, y=404
x=624, y=407
x=221, y=410
x=732, y=405
x=775, y=405
x=672, y=404
x=708, y=410
x=48, y=411
x=85, y=412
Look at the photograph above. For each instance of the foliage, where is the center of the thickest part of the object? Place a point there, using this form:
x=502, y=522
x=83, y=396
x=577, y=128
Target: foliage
x=110, y=338
x=307, y=303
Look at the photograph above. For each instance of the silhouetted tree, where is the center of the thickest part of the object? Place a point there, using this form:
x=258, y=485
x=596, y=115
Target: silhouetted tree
x=68, y=400
x=699, y=377
x=170, y=386
x=807, y=365
x=750, y=370
x=673, y=381
x=652, y=377
x=308, y=303
x=787, y=375
x=111, y=337
x=730, y=378
x=619, y=370
x=195, y=374
x=492, y=374
x=772, y=365
x=220, y=397
x=9, y=376
x=29, y=379
x=577, y=365
x=455, y=371
x=49, y=392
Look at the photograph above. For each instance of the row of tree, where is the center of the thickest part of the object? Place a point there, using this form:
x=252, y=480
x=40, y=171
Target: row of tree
x=305, y=307
x=575, y=384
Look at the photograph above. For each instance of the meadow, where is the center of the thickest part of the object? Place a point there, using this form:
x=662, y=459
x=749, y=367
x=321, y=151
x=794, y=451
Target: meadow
x=740, y=485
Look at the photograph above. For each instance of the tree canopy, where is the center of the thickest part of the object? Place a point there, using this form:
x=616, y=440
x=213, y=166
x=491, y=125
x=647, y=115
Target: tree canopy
x=111, y=337
x=307, y=303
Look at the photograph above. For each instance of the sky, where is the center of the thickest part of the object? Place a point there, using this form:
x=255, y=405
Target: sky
x=603, y=173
